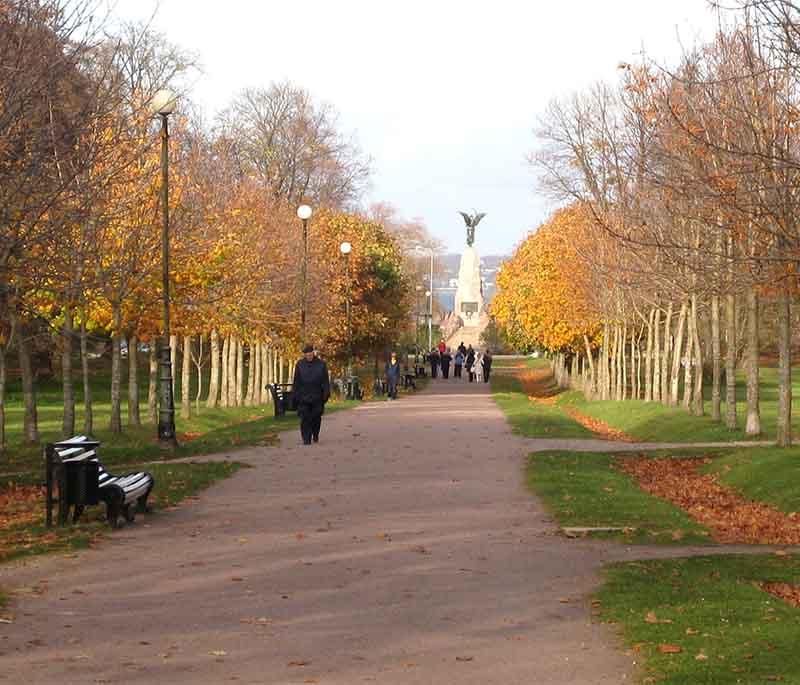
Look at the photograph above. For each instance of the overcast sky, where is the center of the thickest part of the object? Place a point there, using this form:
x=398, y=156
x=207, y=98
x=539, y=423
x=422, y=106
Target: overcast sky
x=442, y=94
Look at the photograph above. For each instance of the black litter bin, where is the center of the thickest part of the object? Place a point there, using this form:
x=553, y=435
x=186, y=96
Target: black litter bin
x=82, y=482
x=353, y=389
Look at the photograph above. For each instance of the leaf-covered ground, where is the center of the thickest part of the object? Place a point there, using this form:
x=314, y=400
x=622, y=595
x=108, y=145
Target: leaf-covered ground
x=731, y=517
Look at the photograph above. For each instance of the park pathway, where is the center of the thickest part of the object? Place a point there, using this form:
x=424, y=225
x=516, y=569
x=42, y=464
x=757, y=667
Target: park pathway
x=404, y=548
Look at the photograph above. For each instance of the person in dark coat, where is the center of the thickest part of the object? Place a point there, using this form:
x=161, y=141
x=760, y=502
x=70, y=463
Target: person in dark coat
x=469, y=363
x=434, y=362
x=487, y=365
x=462, y=349
x=393, y=372
x=444, y=362
x=459, y=363
x=311, y=389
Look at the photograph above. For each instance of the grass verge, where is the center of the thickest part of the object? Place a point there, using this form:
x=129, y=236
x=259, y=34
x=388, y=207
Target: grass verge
x=584, y=490
x=705, y=620
x=533, y=419
x=22, y=532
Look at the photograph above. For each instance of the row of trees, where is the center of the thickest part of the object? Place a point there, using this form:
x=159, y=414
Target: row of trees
x=79, y=237
x=683, y=227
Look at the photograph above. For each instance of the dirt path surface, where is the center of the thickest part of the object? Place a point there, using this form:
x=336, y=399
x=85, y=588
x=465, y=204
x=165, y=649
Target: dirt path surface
x=404, y=548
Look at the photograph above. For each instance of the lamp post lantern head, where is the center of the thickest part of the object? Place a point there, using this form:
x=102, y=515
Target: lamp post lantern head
x=304, y=212
x=345, y=248
x=427, y=293
x=163, y=102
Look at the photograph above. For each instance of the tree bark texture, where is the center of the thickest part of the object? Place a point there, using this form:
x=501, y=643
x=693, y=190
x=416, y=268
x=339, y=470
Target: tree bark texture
x=667, y=351
x=134, y=418
x=186, y=373
x=88, y=409
x=697, y=395
x=31, y=419
x=677, y=356
x=656, y=354
x=68, y=387
x=115, y=425
x=173, y=346
x=730, y=361
x=213, y=384
x=152, y=383
x=648, y=361
x=753, y=424
x=784, y=436
x=716, y=360
x=239, y=373
x=223, y=396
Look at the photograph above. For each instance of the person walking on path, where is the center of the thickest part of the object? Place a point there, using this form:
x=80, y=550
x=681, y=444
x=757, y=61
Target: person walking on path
x=462, y=349
x=393, y=375
x=445, y=361
x=441, y=347
x=478, y=367
x=434, y=357
x=458, y=360
x=311, y=389
x=469, y=363
x=487, y=365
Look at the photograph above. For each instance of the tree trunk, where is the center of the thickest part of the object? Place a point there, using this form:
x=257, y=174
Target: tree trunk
x=249, y=381
x=256, y=367
x=612, y=363
x=716, y=360
x=281, y=367
x=730, y=361
x=589, y=384
x=173, y=346
x=88, y=409
x=753, y=425
x=667, y=351
x=677, y=355
x=68, y=388
x=186, y=372
x=31, y=419
x=115, y=425
x=784, y=436
x=199, y=373
x=223, y=397
x=624, y=394
x=232, y=390
x=3, y=399
x=697, y=399
x=152, y=383
x=213, y=385
x=687, y=368
x=239, y=373
x=134, y=418
x=648, y=361
x=656, y=354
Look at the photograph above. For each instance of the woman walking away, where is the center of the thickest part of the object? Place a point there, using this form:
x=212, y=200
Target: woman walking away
x=458, y=360
x=478, y=366
x=469, y=364
x=444, y=361
x=487, y=366
x=393, y=375
x=434, y=362
x=311, y=389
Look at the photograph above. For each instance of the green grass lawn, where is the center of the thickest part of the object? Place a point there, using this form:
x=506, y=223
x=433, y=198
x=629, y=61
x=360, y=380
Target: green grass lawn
x=584, y=490
x=533, y=419
x=726, y=628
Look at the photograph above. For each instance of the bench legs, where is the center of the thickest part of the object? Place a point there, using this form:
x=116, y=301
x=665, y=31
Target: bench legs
x=114, y=509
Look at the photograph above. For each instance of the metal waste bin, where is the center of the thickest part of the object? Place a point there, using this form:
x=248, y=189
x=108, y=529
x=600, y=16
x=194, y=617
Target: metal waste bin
x=353, y=389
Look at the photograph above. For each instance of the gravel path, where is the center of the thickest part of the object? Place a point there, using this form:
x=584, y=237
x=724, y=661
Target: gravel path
x=404, y=548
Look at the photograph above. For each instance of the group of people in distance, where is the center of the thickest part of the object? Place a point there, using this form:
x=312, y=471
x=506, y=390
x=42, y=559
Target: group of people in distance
x=476, y=364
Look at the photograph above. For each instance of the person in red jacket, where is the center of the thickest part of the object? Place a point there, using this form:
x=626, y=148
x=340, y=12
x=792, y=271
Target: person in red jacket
x=442, y=347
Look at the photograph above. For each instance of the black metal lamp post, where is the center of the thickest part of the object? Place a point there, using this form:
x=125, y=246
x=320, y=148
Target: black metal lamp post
x=304, y=213
x=346, y=248
x=163, y=105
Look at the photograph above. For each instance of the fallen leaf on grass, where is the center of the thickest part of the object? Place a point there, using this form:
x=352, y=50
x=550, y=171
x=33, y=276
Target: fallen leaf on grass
x=669, y=649
x=701, y=657
x=651, y=618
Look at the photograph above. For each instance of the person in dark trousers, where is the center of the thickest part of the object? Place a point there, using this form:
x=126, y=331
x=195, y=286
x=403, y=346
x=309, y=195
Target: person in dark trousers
x=487, y=365
x=312, y=389
x=458, y=360
x=469, y=363
x=393, y=372
x=462, y=349
x=434, y=362
x=444, y=362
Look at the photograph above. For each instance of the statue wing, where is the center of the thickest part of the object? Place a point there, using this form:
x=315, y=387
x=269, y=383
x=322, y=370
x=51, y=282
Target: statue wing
x=477, y=218
x=467, y=218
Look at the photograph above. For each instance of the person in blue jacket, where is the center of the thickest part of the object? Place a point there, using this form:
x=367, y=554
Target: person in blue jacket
x=393, y=372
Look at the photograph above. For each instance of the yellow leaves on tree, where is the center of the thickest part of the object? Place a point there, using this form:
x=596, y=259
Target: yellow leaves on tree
x=544, y=290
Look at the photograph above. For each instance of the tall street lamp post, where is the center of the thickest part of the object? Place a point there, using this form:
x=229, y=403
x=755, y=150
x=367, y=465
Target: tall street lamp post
x=163, y=105
x=304, y=213
x=346, y=248
x=429, y=295
x=416, y=321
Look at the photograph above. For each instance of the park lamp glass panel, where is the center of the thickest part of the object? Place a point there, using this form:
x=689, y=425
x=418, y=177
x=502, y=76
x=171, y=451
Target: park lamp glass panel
x=304, y=212
x=163, y=102
x=345, y=248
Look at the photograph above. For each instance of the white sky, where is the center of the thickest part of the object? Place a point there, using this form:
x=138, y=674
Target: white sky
x=442, y=94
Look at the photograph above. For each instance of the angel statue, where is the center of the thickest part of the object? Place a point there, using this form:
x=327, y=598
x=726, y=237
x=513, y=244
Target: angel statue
x=472, y=222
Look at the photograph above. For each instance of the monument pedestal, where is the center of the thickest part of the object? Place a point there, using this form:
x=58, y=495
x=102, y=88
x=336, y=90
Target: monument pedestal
x=469, y=294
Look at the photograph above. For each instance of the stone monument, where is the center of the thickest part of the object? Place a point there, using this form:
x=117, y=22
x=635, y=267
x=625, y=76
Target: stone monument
x=469, y=295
